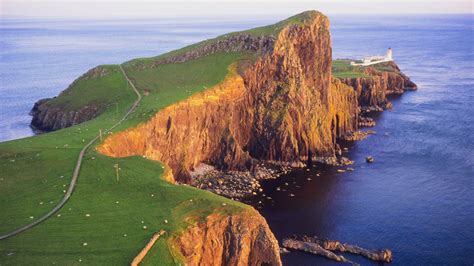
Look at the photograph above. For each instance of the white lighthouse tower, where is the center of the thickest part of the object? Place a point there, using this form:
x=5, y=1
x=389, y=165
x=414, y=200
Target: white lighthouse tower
x=375, y=59
x=389, y=56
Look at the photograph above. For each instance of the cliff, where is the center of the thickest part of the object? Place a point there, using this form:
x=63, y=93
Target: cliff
x=379, y=81
x=50, y=118
x=283, y=107
x=239, y=239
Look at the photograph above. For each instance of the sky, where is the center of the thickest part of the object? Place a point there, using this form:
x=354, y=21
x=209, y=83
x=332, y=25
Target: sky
x=222, y=8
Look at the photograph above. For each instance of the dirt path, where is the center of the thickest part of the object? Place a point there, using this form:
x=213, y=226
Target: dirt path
x=77, y=169
x=138, y=259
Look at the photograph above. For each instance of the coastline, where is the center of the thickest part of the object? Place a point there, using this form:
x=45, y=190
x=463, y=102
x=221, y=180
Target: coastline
x=341, y=209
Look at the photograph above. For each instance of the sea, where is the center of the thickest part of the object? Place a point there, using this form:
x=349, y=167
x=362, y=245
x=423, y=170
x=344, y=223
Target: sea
x=416, y=199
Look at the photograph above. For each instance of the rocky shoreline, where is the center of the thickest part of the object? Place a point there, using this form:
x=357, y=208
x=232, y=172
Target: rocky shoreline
x=236, y=184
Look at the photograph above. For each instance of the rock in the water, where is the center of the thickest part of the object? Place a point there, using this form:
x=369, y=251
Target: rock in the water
x=369, y=159
x=314, y=249
x=321, y=246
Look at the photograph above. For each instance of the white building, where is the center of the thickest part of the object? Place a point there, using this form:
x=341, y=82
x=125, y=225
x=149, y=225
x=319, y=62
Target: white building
x=372, y=60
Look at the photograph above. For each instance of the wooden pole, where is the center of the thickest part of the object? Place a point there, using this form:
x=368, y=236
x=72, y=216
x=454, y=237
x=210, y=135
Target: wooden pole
x=117, y=171
x=100, y=133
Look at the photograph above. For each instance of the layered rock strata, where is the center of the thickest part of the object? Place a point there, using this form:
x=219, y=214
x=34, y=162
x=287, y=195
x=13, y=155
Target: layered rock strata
x=239, y=42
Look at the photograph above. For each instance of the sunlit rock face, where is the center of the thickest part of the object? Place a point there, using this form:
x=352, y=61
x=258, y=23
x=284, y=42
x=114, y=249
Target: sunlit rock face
x=239, y=239
x=283, y=107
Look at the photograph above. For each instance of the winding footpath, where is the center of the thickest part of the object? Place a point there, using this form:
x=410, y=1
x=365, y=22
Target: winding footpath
x=77, y=169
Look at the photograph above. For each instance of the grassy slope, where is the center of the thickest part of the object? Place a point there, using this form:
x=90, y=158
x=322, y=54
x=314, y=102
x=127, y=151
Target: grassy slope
x=31, y=179
x=92, y=91
x=36, y=171
x=269, y=30
x=342, y=68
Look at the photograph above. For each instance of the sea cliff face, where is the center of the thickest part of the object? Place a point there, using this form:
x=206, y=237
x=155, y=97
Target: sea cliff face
x=46, y=118
x=284, y=107
x=372, y=91
x=239, y=239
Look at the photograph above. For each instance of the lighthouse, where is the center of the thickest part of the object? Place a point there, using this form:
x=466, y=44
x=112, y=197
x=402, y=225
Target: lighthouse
x=375, y=59
x=389, y=56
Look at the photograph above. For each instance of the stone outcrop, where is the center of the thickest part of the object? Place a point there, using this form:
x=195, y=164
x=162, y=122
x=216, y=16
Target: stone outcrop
x=284, y=107
x=383, y=80
x=237, y=239
x=47, y=118
x=238, y=42
x=326, y=247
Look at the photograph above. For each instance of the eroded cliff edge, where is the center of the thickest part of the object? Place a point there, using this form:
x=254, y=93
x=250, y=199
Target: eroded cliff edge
x=64, y=111
x=377, y=83
x=221, y=239
x=283, y=107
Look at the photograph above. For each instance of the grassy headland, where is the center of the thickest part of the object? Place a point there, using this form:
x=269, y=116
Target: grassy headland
x=108, y=219
x=36, y=171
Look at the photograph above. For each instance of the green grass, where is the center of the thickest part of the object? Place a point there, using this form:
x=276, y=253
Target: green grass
x=170, y=83
x=43, y=165
x=92, y=91
x=60, y=239
x=342, y=68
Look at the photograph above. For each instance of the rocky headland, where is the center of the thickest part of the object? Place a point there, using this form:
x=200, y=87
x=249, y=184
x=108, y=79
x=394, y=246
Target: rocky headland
x=284, y=109
x=55, y=113
x=381, y=80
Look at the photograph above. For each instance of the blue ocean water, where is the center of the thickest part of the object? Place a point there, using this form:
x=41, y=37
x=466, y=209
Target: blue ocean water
x=40, y=58
x=416, y=199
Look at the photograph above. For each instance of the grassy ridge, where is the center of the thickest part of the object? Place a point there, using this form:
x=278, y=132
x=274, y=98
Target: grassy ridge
x=269, y=30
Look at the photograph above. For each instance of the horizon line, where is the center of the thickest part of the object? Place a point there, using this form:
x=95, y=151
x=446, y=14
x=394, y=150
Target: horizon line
x=225, y=16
